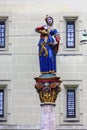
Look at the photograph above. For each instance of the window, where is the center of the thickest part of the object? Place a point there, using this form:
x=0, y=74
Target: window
x=71, y=106
x=71, y=103
x=1, y=102
x=4, y=30
x=70, y=34
x=2, y=33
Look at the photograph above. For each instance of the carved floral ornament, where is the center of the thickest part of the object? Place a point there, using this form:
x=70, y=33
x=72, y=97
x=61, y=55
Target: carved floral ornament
x=48, y=91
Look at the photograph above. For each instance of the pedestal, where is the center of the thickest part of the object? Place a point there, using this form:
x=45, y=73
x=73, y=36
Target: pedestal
x=48, y=89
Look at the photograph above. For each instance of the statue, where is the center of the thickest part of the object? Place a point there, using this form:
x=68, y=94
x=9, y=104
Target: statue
x=48, y=84
x=48, y=46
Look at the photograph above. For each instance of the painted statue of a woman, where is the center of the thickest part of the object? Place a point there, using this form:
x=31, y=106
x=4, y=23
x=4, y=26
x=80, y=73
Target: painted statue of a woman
x=48, y=47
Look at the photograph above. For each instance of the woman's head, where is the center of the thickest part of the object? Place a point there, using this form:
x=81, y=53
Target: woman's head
x=49, y=20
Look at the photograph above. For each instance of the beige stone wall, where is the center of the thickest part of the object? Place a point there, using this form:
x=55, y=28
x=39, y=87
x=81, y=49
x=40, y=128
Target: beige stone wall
x=19, y=64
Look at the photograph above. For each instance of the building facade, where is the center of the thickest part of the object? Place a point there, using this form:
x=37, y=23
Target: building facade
x=19, y=64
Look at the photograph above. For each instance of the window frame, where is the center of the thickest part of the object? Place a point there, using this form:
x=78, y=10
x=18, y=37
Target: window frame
x=76, y=48
x=72, y=119
x=78, y=86
x=63, y=16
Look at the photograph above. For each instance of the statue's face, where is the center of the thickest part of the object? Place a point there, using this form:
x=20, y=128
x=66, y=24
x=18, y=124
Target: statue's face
x=49, y=21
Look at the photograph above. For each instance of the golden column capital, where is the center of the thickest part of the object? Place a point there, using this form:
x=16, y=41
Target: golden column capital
x=48, y=88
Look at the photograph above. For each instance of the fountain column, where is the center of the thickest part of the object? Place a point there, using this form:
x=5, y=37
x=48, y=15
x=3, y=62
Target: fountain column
x=48, y=89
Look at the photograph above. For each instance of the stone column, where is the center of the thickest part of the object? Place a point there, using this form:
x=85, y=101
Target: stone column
x=48, y=89
x=48, y=117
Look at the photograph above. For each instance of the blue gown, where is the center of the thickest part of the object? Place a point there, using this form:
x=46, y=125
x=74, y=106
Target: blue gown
x=47, y=64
